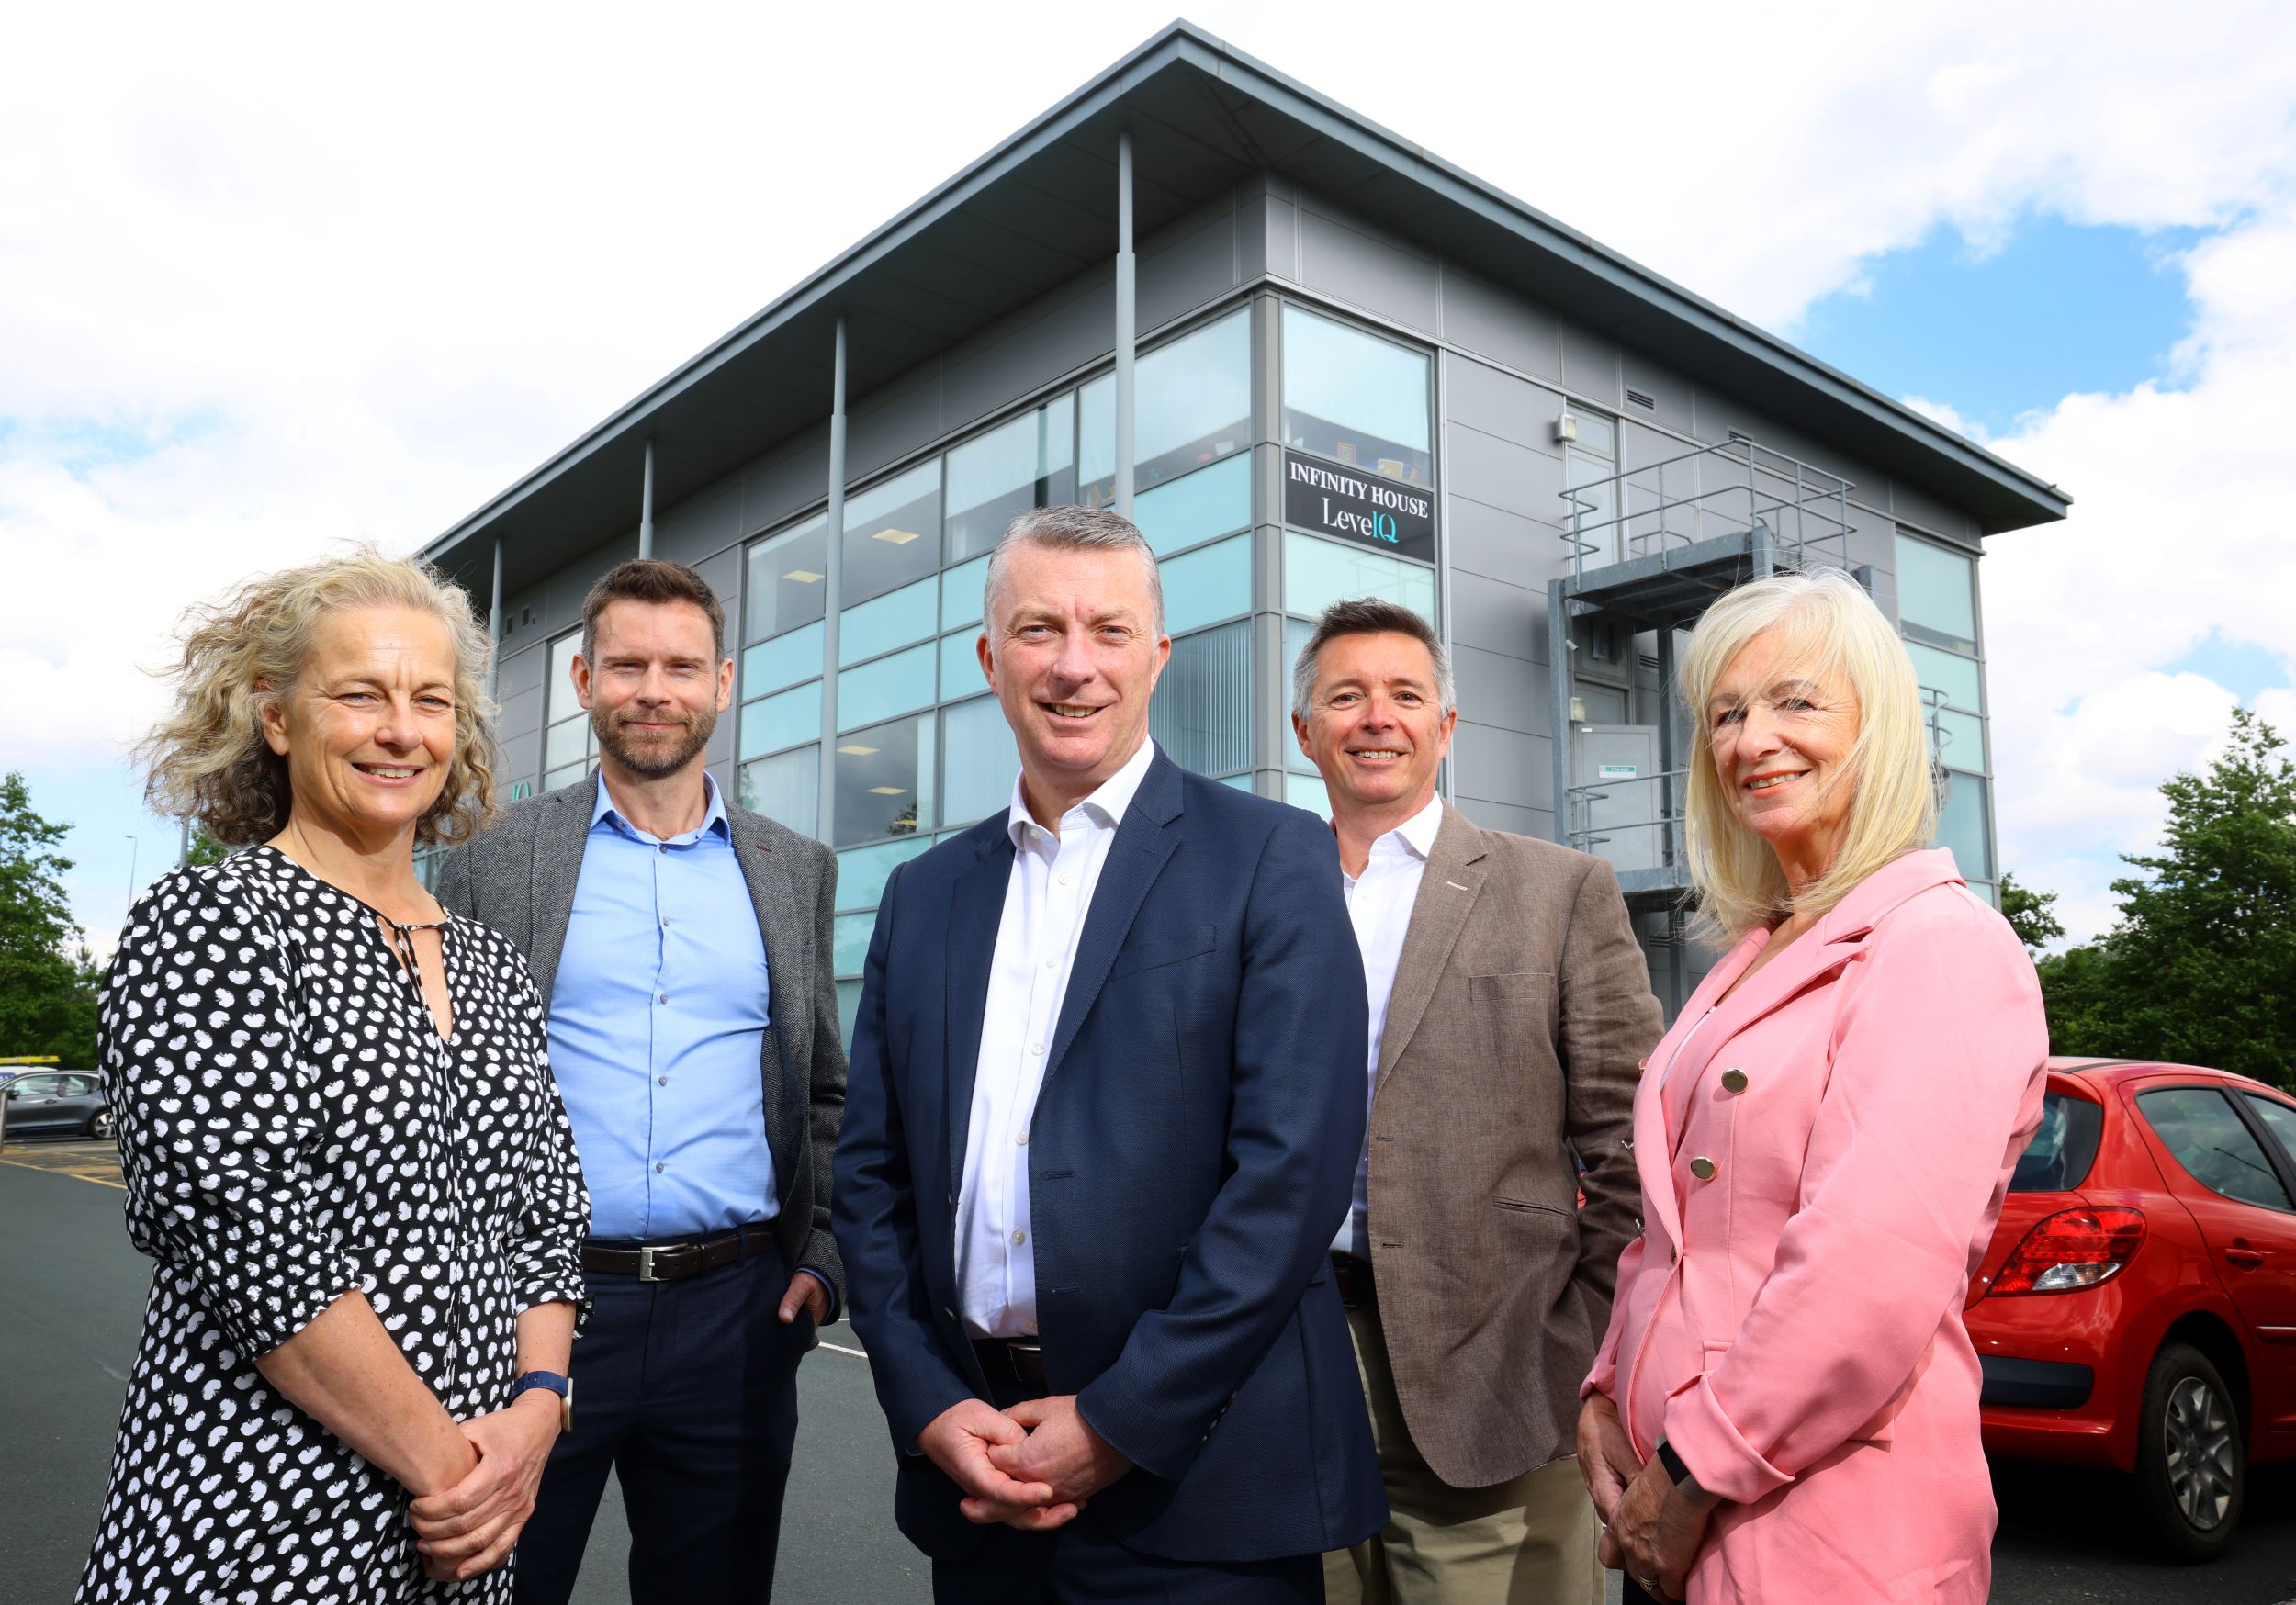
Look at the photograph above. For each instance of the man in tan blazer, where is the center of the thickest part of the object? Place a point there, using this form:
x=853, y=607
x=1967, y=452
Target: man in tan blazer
x=1510, y=1007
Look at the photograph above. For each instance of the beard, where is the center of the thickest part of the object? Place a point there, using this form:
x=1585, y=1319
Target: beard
x=653, y=756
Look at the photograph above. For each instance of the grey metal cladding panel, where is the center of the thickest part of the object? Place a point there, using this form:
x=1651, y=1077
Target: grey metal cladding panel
x=1535, y=822
x=1668, y=388
x=1914, y=506
x=892, y=422
x=1504, y=474
x=1187, y=272
x=521, y=670
x=1590, y=365
x=1884, y=593
x=1499, y=544
x=1283, y=237
x=721, y=571
x=520, y=713
x=1503, y=692
x=1252, y=255
x=522, y=760
x=1872, y=538
x=564, y=590
x=1481, y=316
x=1503, y=766
x=1058, y=337
x=1493, y=616
x=1383, y=278
x=1500, y=404
x=699, y=526
x=792, y=480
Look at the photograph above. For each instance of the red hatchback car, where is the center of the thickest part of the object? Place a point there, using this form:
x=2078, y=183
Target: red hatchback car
x=2136, y=1308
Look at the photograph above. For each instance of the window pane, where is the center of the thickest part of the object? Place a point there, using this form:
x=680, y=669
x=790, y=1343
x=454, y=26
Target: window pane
x=2279, y=1120
x=885, y=780
x=785, y=584
x=1201, y=714
x=1944, y=672
x=1213, y=582
x=782, y=661
x=1318, y=573
x=889, y=533
x=2213, y=1145
x=1355, y=397
x=1959, y=739
x=559, y=699
x=780, y=721
x=1935, y=592
x=1960, y=826
x=1192, y=405
x=847, y=1006
x=891, y=685
x=861, y=872
x=1197, y=508
x=1242, y=782
x=568, y=742
x=905, y=615
x=2061, y=1149
x=960, y=664
x=1030, y=462
x=978, y=760
x=565, y=777
x=849, y=941
x=1309, y=791
x=785, y=787
x=961, y=594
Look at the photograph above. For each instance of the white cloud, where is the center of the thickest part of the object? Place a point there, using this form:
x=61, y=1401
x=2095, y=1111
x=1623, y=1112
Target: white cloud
x=354, y=273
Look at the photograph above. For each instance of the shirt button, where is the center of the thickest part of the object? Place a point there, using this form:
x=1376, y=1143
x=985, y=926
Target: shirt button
x=1063, y=879
x=1052, y=963
x=664, y=1080
x=661, y=997
x=1018, y=1238
x=658, y=1165
x=1022, y=1140
x=1036, y=1046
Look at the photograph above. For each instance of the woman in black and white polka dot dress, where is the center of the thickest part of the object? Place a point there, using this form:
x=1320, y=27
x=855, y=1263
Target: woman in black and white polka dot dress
x=338, y=1131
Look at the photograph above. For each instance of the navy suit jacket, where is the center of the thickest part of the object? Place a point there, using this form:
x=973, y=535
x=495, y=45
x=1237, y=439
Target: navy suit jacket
x=1192, y=1153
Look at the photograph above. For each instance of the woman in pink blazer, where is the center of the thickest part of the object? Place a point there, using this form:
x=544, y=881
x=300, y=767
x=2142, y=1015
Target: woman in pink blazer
x=1784, y=1407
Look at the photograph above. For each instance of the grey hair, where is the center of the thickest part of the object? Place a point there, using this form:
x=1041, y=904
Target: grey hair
x=1368, y=615
x=1070, y=529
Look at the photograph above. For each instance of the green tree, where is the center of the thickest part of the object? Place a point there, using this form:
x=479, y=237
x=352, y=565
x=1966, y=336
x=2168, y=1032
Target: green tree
x=47, y=980
x=204, y=849
x=2030, y=914
x=2202, y=968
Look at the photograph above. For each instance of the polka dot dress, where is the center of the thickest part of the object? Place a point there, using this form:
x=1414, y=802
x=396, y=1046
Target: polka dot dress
x=292, y=1126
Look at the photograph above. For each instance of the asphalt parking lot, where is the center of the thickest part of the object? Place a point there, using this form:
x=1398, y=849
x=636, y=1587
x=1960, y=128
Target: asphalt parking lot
x=72, y=1306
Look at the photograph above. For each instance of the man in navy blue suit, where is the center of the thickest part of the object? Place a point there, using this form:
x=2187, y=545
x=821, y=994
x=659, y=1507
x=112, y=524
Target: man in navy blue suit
x=1101, y=1123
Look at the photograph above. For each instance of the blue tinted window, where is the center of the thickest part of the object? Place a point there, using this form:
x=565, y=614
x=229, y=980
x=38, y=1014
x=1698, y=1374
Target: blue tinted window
x=784, y=660
x=782, y=721
x=895, y=620
x=785, y=787
x=979, y=760
x=889, y=686
x=1209, y=502
x=883, y=784
x=1201, y=714
x=1213, y=582
x=1355, y=397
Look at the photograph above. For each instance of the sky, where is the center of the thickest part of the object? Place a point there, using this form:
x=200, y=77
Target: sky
x=274, y=279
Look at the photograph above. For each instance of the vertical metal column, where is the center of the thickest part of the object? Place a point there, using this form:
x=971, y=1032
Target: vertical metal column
x=645, y=506
x=494, y=624
x=833, y=589
x=1558, y=702
x=1126, y=319
x=1676, y=974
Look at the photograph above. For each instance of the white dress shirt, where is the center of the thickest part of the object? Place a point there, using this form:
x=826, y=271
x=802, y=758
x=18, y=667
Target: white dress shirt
x=1378, y=905
x=1046, y=899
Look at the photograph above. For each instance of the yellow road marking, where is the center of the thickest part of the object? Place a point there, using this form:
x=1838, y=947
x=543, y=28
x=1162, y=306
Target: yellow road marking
x=84, y=1161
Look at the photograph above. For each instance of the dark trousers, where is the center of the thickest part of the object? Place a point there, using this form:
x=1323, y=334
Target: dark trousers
x=687, y=1390
x=1077, y=1565
x=1632, y=1593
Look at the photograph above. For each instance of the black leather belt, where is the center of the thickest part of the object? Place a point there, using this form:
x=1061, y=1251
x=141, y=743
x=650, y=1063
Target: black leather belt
x=671, y=1262
x=1020, y=1360
x=1353, y=1277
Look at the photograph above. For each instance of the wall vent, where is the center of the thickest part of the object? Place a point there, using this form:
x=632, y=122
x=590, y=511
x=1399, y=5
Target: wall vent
x=1640, y=400
x=1651, y=661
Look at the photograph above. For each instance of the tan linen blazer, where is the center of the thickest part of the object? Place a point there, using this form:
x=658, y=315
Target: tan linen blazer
x=1521, y=1011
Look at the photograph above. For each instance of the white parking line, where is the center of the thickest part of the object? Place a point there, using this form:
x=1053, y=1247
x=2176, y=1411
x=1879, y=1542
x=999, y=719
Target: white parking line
x=859, y=1355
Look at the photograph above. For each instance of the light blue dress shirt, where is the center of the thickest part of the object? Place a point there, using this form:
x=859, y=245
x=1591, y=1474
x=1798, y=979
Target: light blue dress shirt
x=658, y=1017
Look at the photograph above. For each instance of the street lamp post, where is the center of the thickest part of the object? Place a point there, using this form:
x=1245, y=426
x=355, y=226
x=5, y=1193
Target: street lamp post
x=132, y=845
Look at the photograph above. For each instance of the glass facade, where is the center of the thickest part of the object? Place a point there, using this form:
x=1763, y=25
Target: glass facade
x=1936, y=615
x=1356, y=397
x=569, y=744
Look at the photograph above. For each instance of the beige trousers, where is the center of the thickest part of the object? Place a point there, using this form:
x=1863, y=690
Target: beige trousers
x=1529, y=1541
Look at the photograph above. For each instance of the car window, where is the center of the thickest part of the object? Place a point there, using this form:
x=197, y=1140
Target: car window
x=78, y=1086
x=2063, y=1146
x=2208, y=1139
x=2279, y=1120
x=32, y=1086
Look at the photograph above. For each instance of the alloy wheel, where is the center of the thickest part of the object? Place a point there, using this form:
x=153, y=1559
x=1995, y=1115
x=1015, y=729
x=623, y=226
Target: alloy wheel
x=2197, y=1429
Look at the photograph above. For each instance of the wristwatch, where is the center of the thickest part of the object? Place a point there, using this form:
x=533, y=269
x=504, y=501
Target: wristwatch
x=551, y=1381
x=1679, y=1474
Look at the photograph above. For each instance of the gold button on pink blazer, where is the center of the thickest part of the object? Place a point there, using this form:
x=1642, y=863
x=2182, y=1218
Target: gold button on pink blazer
x=1823, y=1154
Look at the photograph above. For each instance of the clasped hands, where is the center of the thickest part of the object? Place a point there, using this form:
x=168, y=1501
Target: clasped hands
x=1032, y=1467
x=471, y=1527
x=1650, y=1529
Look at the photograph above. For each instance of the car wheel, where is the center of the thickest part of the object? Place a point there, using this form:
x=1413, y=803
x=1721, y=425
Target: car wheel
x=99, y=1125
x=2192, y=1459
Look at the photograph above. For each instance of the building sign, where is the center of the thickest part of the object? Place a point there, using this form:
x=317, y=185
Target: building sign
x=1363, y=507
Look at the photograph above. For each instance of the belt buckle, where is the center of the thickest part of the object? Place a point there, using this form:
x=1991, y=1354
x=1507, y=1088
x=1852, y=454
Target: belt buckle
x=646, y=1265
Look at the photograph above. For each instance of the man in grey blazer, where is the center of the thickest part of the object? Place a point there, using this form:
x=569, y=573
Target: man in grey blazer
x=683, y=946
x=1510, y=1009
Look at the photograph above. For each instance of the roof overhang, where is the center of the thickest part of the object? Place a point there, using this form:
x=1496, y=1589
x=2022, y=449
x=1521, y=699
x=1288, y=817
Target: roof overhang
x=1040, y=209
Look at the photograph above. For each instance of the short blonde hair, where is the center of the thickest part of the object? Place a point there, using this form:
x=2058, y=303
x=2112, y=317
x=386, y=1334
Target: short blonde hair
x=208, y=761
x=1833, y=630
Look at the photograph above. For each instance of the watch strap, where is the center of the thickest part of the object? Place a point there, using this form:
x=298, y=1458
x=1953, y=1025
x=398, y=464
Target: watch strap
x=1679, y=1474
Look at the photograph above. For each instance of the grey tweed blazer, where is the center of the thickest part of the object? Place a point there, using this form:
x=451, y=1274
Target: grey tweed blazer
x=520, y=877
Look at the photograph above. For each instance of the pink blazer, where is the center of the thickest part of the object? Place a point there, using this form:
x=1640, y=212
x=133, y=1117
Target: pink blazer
x=1823, y=1157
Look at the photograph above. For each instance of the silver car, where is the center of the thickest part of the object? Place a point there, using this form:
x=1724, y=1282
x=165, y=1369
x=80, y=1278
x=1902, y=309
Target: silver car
x=63, y=1102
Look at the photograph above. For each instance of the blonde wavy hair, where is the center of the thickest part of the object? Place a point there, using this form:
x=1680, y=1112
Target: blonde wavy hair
x=207, y=761
x=1833, y=633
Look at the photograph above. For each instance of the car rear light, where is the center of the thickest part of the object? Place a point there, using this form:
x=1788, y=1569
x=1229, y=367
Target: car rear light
x=2071, y=1250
